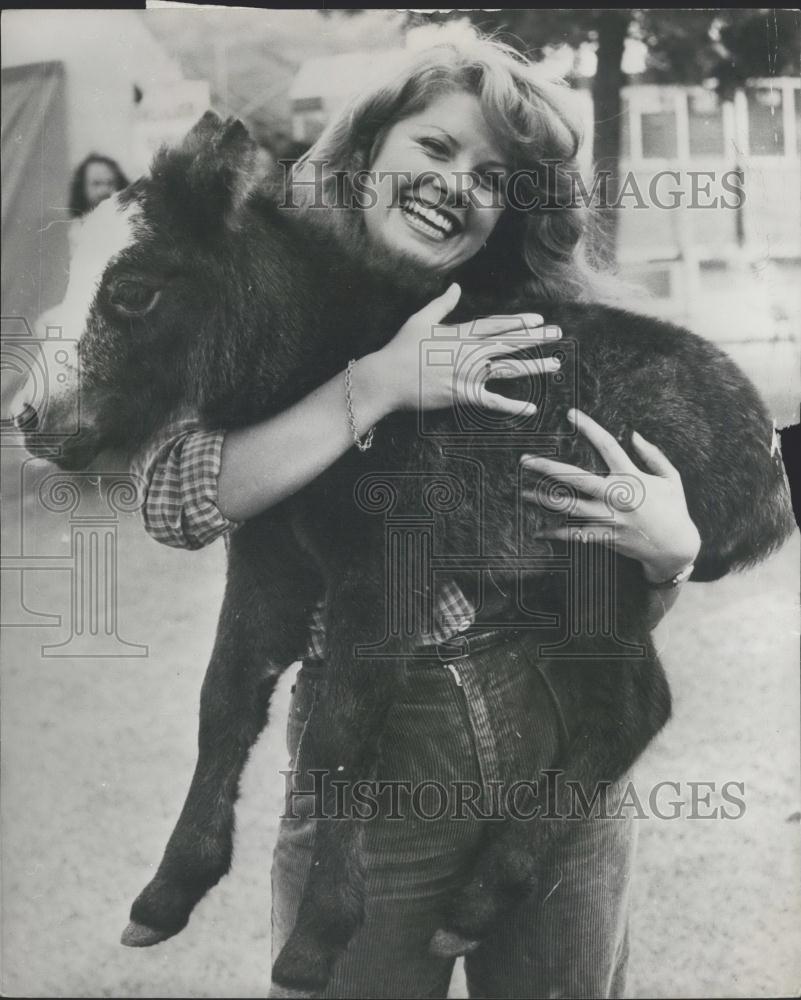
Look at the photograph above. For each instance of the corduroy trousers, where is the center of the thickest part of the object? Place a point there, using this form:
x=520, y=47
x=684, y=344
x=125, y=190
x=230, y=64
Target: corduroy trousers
x=455, y=749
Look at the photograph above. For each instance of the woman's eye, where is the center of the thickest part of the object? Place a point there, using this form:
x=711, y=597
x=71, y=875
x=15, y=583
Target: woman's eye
x=133, y=298
x=435, y=148
x=491, y=182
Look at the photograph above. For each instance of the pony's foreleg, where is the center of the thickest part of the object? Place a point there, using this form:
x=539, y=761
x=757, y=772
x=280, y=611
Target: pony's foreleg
x=262, y=630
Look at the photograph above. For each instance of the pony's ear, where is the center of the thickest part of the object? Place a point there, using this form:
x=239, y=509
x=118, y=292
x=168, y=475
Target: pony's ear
x=225, y=162
x=213, y=171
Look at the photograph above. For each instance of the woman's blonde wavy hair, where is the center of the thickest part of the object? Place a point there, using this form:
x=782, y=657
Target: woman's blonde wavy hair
x=539, y=252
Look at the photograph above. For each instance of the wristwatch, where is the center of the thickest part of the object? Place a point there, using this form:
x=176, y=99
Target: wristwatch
x=676, y=580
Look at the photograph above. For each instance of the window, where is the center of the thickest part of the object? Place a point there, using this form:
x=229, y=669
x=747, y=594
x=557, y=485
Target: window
x=625, y=131
x=705, y=124
x=798, y=122
x=765, y=125
x=656, y=278
x=307, y=104
x=659, y=138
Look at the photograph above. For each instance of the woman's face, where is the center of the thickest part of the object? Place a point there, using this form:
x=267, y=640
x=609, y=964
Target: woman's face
x=436, y=184
x=100, y=183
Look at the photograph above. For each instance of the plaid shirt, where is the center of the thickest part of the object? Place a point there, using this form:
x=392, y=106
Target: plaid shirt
x=180, y=468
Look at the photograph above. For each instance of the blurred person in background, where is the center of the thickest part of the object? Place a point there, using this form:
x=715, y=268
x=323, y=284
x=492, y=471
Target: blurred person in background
x=96, y=178
x=471, y=108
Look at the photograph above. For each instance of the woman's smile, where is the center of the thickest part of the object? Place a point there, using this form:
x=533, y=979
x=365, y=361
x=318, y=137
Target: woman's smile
x=435, y=224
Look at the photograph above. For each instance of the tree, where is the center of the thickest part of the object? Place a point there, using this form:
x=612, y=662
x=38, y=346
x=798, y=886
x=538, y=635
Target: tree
x=767, y=43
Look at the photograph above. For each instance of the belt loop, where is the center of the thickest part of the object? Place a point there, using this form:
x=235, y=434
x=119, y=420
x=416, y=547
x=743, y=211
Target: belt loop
x=455, y=648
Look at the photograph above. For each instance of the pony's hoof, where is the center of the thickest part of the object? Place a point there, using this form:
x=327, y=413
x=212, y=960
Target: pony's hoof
x=139, y=936
x=449, y=944
x=288, y=993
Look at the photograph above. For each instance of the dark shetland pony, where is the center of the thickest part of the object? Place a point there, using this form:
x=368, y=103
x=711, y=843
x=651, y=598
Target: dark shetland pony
x=225, y=302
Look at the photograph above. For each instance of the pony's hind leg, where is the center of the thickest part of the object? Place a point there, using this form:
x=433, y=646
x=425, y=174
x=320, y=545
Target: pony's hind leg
x=341, y=739
x=628, y=703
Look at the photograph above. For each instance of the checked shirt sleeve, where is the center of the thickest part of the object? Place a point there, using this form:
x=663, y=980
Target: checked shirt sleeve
x=179, y=469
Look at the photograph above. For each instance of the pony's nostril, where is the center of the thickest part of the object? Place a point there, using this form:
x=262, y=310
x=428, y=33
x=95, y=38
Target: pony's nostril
x=27, y=419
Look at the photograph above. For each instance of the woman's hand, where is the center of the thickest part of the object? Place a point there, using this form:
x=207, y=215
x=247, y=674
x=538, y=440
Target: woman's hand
x=457, y=373
x=658, y=531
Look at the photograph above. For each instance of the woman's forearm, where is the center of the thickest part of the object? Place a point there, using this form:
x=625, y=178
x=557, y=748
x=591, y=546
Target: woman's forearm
x=263, y=464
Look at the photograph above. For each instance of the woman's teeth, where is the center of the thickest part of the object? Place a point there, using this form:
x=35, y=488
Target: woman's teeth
x=428, y=221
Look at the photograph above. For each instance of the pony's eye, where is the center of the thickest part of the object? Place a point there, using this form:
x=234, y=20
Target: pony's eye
x=133, y=298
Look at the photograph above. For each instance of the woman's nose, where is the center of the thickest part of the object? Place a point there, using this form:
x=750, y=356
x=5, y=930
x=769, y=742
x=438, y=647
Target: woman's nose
x=450, y=185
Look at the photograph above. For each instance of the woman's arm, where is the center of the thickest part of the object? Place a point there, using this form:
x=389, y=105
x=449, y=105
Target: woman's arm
x=199, y=483
x=263, y=464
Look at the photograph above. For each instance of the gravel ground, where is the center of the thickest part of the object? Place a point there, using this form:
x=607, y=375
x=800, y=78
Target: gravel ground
x=97, y=755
